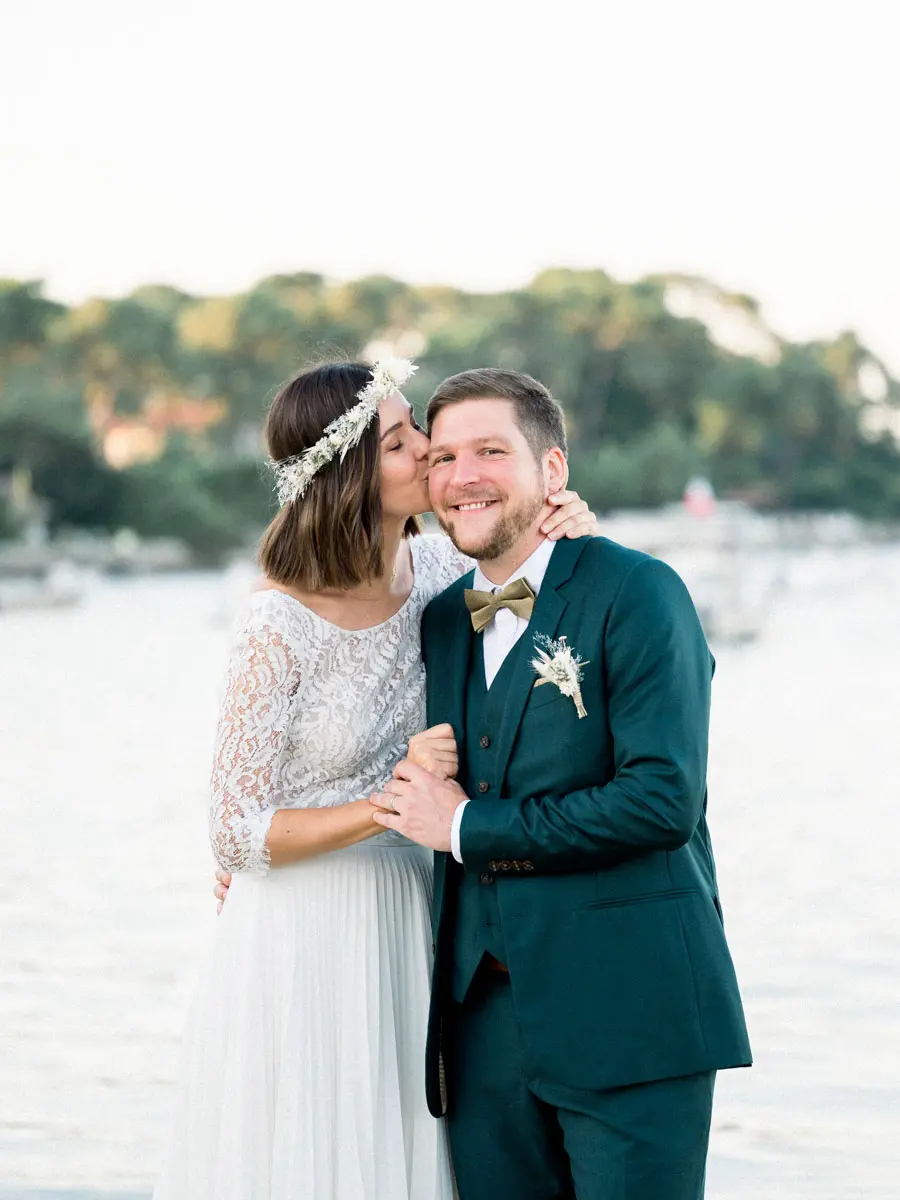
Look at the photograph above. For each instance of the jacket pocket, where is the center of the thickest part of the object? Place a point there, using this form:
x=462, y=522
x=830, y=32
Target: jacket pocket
x=548, y=693
x=643, y=898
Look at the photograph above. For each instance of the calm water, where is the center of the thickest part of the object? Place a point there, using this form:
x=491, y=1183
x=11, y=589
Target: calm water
x=106, y=718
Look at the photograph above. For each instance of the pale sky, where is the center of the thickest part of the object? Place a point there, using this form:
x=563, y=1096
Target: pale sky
x=205, y=143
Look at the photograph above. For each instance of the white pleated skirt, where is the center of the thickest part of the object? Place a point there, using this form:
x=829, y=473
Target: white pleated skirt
x=303, y=1072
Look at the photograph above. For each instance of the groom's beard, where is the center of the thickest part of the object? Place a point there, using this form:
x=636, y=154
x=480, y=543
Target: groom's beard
x=502, y=537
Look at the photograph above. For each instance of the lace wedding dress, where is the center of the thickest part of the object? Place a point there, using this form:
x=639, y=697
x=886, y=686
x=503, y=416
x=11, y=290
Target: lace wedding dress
x=303, y=1073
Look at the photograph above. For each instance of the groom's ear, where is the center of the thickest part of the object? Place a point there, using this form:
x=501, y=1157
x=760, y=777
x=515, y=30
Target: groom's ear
x=556, y=470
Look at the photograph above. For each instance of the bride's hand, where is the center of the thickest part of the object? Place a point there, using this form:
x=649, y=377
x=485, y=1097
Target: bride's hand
x=572, y=519
x=435, y=750
x=223, y=883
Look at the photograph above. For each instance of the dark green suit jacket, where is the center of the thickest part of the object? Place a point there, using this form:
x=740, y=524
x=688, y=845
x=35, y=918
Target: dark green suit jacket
x=595, y=835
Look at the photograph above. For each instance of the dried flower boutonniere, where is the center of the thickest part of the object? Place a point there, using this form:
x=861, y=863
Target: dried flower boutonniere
x=558, y=663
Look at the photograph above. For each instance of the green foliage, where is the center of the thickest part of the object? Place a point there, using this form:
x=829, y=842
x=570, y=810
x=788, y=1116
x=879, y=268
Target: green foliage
x=651, y=397
x=211, y=505
x=25, y=315
x=646, y=472
x=46, y=435
x=9, y=525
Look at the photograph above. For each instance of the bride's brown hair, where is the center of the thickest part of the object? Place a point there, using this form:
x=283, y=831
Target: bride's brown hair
x=332, y=537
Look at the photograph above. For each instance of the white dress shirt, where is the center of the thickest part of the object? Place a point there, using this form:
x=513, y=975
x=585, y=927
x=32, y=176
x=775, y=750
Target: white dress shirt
x=499, y=637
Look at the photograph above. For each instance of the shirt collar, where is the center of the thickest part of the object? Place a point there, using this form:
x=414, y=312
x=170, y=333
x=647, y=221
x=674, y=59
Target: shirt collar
x=534, y=568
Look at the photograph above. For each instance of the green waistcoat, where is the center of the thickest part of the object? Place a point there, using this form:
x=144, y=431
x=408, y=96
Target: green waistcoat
x=478, y=927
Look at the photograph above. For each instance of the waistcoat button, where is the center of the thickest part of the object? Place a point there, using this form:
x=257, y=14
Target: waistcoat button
x=484, y=786
x=484, y=741
x=486, y=878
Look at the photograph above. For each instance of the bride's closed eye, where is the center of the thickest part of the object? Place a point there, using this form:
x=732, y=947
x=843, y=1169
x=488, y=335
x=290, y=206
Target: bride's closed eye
x=414, y=424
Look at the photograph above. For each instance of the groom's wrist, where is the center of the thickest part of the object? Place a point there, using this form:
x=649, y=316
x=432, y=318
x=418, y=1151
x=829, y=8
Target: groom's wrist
x=455, y=831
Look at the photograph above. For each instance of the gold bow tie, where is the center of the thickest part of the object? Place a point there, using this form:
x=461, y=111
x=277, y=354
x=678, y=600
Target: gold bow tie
x=483, y=606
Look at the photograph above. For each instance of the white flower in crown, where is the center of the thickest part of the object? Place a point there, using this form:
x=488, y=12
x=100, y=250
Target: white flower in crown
x=294, y=475
x=559, y=664
x=391, y=374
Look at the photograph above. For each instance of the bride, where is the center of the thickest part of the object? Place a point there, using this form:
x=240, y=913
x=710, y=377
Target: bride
x=304, y=1053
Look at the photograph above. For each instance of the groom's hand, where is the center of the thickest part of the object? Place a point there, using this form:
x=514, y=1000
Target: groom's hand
x=418, y=805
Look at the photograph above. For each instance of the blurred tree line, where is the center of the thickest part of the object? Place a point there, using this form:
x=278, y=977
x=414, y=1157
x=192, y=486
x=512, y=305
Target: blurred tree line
x=145, y=412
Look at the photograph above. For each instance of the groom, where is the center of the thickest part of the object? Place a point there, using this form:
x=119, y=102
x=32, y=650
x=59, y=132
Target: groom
x=584, y=995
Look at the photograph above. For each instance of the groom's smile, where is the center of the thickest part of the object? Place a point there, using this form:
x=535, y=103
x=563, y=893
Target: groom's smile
x=468, y=505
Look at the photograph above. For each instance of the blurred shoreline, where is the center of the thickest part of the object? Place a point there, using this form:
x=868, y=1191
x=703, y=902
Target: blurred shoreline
x=66, y=1194
x=655, y=530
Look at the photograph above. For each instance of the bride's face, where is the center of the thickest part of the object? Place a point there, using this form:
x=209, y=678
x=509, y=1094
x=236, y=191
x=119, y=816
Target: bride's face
x=404, y=460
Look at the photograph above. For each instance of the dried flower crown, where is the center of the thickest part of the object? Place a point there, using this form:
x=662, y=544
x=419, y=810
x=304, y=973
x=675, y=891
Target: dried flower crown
x=294, y=475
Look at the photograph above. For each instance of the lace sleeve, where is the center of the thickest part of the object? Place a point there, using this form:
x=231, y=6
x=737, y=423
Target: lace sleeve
x=263, y=676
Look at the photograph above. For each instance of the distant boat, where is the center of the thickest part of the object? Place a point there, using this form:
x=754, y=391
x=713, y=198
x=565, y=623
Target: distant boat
x=731, y=598
x=62, y=586
x=699, y=498
x=718, y=579
x=717, y=547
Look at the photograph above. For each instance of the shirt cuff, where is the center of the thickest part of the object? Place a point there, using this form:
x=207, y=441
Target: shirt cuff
x=454, y=831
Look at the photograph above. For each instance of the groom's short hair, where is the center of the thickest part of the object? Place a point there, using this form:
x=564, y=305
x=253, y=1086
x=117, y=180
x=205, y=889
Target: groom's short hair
x=539, y=417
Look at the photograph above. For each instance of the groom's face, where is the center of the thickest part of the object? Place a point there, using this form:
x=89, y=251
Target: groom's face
x=487, y=488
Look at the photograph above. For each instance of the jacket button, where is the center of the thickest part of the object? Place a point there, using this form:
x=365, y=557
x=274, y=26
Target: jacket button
x=484, y=786
x=484, y=741
x=486, y=878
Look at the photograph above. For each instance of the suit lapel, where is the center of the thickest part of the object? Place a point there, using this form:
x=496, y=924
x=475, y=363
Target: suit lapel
x=548, y=613
x=447, y=680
